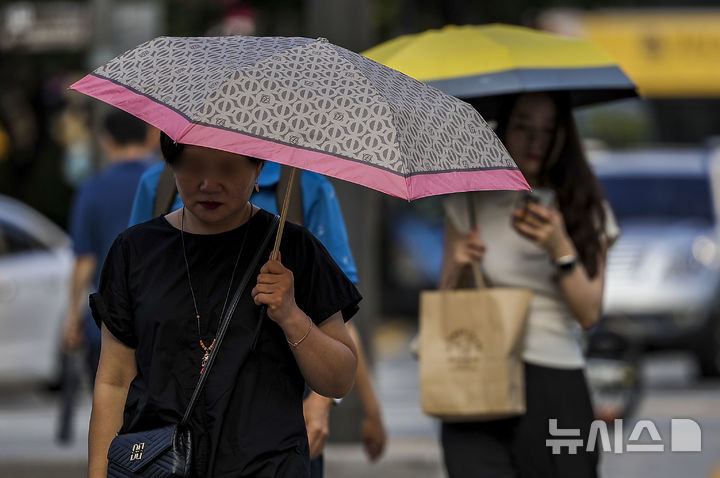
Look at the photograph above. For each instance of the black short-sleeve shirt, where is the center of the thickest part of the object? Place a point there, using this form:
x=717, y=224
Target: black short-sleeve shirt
x=249, y=420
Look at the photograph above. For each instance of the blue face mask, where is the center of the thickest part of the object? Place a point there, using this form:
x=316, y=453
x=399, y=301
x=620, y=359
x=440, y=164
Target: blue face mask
x=77, y=163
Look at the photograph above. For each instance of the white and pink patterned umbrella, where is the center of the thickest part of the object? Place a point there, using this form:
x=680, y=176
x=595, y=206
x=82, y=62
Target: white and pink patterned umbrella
x=309, y=104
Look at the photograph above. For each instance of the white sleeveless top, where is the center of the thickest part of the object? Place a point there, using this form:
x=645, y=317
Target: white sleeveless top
x=553, y=336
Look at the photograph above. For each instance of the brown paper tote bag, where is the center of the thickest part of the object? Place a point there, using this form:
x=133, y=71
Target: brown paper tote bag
x=471, y=344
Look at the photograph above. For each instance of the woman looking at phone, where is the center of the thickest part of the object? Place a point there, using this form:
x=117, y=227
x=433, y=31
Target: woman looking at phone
x=553, y=241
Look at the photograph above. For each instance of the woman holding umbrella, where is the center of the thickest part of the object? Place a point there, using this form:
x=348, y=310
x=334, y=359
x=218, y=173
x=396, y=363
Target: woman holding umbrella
x=555, y=245
x=163, y=290
x=223, y=101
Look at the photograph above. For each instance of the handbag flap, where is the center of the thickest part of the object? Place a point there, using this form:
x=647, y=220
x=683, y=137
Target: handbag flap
x=134, y=451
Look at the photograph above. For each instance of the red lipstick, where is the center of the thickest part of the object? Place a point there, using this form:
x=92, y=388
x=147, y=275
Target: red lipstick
x=210, y=204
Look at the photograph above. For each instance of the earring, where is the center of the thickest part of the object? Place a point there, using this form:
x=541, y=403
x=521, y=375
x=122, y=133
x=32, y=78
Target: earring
x=257, y=187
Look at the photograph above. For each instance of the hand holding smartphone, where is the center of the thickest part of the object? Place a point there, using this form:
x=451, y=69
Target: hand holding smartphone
x=537, y=218
x=544, y=197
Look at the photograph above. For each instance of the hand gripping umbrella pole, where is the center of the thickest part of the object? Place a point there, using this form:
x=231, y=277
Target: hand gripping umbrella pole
x=276, y=249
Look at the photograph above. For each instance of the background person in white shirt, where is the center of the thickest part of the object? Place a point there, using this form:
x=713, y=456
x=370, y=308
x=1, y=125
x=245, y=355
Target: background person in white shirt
x=559, y=252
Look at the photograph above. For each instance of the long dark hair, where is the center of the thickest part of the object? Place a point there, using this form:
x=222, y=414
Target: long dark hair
x=566, y=170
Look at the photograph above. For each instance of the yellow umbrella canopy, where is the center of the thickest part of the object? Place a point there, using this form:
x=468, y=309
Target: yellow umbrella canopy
x=487, y=60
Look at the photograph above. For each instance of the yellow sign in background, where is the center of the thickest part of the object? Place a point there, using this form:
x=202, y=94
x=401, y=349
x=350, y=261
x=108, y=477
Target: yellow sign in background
x=666, y=53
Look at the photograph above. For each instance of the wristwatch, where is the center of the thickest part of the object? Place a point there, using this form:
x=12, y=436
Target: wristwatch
x=565, y=265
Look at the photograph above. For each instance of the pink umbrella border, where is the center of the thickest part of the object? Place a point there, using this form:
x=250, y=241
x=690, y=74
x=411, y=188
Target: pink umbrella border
x=179, y=128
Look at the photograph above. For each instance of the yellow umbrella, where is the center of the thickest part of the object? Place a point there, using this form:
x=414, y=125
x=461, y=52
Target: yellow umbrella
x=489, y=60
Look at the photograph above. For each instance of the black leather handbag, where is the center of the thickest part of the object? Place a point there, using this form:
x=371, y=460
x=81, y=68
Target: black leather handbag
x=167, y=452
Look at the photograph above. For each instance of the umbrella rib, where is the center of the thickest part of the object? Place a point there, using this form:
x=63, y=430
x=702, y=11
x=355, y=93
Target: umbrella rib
x=392, y=118
x=208, y=92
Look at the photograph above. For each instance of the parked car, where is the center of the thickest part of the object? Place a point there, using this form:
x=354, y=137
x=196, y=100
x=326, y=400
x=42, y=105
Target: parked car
x=36, y=261
x=663, y=275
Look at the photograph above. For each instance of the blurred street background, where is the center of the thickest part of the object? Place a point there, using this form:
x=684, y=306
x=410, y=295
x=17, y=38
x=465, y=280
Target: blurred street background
x=655, y=355
x=29, y=421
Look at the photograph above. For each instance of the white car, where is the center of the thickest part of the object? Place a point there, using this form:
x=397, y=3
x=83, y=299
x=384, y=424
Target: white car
x=663, y=275
x=36, y=262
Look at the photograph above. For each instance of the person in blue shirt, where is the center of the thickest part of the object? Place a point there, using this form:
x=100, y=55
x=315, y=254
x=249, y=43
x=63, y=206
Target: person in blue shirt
x=100, y=211
x=322, y=216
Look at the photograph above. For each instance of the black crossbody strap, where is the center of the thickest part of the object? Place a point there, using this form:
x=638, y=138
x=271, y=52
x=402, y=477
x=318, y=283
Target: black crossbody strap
x=226, y=320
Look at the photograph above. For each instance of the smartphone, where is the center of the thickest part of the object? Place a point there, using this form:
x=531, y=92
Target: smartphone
x=542, y=196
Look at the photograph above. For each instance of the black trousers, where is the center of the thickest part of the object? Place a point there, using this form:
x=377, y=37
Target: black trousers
x=318, y=464
x=316, y=467
x=515, y=447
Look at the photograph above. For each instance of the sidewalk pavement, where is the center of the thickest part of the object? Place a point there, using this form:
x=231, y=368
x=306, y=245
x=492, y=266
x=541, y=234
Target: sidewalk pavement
x=28, y=424
x=411, y=457
x=404, y=458
x=28, y=450
x=27, y=427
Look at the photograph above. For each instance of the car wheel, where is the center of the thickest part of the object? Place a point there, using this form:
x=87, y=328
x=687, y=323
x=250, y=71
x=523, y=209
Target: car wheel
x=613, y=376
x=708, y=353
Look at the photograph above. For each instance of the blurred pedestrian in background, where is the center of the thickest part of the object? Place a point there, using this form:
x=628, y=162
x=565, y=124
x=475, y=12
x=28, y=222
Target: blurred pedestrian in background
x=319, y=210
x=100, y=211
x=372, y=429
x=554, y=243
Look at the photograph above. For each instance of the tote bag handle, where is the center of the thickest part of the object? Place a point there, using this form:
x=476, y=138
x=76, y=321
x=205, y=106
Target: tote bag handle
x=476, y=268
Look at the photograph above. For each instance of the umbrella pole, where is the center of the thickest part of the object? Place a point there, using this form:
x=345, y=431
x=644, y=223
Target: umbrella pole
x=283, y=214
x=273, y=255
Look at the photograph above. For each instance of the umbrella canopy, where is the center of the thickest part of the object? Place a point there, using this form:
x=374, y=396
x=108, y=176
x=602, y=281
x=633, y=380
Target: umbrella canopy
x=488, y=60
x=309, y=104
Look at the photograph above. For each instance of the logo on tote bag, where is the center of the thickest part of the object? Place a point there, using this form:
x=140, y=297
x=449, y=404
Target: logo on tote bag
x=463, y=348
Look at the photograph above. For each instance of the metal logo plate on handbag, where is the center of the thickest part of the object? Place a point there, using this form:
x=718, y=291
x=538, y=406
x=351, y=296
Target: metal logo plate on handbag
x=137, y=451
